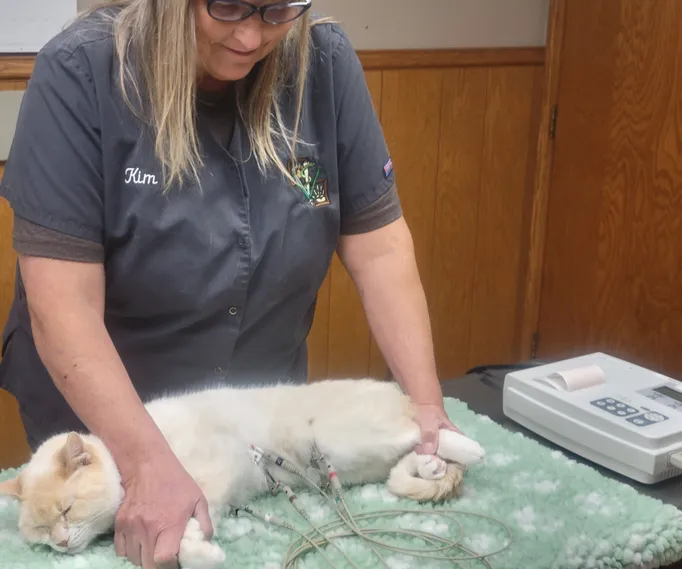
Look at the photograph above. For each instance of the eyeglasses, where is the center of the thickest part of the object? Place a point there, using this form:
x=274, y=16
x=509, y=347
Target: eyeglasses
x=236, y=11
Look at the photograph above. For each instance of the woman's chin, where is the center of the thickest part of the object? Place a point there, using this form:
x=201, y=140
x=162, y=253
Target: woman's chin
x=226, y=73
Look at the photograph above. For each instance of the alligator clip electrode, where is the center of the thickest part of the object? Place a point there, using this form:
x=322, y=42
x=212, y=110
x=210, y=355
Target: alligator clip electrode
x=317, y=463
x=257, y=455
x=273, y=484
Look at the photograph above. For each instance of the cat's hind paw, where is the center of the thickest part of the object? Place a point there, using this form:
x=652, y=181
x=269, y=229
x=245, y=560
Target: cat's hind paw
x=430, y=467
x=196, y=552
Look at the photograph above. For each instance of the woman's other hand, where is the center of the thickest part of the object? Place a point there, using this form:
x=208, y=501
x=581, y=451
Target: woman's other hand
x=432, y=418
x=160, y=498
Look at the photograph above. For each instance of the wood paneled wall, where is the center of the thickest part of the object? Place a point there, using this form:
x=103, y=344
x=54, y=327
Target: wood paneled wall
x=462, y=128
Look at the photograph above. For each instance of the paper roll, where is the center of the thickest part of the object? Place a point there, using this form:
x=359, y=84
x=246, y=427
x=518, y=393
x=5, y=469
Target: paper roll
x=576, y=378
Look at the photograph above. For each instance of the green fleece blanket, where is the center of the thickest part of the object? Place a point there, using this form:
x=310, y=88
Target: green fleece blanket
x=560, y=514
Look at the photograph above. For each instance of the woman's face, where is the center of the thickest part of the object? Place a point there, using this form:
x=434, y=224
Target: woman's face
x=228, y=51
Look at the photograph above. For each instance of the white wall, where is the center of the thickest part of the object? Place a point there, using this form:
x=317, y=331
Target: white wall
x=397, y=24
x=26, y=25
x=424, y=24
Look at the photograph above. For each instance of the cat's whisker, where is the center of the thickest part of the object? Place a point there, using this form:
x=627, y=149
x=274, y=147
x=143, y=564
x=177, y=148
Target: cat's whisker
x=90, y=522
x=88, y=525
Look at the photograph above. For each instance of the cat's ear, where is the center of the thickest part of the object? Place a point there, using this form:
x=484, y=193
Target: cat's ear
x=74, y=454
x=11, y=488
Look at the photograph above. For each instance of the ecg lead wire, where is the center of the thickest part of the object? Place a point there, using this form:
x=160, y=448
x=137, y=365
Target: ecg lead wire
x=332, y=531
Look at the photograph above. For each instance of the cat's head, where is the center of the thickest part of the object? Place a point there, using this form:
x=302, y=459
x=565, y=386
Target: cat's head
x=69, y=493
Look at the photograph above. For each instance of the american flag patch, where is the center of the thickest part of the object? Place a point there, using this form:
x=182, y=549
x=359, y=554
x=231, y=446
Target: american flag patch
x=388, y=168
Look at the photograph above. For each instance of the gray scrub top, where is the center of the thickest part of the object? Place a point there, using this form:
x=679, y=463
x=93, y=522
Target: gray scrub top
x=217, y=285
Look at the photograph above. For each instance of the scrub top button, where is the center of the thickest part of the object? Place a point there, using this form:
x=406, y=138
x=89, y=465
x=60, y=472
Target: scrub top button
x=233, y=310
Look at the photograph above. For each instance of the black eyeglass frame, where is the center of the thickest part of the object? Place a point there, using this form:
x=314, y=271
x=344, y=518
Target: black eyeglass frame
x=262, y=10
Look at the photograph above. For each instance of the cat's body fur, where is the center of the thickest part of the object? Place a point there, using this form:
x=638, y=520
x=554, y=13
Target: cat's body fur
x=366, y=428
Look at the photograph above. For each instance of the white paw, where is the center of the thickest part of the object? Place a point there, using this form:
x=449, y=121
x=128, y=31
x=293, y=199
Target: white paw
x=196, y=552
x=193, y=531
x=430, y=467
x=455, y=447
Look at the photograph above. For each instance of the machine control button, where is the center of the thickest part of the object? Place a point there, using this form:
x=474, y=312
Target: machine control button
x=645, y=419
x=654, y=417
x=614, y=406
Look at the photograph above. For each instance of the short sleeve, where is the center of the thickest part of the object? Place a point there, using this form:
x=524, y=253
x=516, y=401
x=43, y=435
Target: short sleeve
x=364, y=163
x=53, y=175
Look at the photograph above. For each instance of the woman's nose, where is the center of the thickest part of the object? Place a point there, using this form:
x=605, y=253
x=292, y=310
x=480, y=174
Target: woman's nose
x=250, y=33
x=63, y=543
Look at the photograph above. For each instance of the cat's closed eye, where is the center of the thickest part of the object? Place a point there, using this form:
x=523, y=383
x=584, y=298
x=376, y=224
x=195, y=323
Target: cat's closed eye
x=42, y=530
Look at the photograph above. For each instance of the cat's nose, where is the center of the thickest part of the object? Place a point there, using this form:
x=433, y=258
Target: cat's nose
x=63, y=543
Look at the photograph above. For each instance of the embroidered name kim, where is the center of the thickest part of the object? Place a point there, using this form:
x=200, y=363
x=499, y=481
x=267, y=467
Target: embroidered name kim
x=136, y=176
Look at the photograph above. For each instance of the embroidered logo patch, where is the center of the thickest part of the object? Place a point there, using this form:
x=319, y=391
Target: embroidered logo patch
x=311, y=181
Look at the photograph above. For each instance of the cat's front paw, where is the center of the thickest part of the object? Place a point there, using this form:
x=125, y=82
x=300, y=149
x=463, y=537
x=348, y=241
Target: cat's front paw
x=196, y=552
x=430, y=467
x=456, y=447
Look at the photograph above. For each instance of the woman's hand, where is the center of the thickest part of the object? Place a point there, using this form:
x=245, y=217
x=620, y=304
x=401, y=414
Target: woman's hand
x=66, y=302
x=432, y=418
x=160, y=498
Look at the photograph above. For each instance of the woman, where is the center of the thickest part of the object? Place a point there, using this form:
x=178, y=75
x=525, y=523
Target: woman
x=181, y=175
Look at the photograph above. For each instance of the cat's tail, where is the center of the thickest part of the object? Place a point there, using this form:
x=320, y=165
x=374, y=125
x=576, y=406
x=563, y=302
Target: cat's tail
x=414, y=478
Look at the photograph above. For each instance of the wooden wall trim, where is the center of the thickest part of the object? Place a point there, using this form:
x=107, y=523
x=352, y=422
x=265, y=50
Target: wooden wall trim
x=16, y=68
x=541, y=185
x=20, y=67
x=484, y=57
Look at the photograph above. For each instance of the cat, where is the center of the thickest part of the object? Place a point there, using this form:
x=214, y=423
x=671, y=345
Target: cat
x=70, y=490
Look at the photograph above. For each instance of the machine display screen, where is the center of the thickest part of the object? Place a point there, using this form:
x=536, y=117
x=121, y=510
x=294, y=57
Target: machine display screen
x=668, y=392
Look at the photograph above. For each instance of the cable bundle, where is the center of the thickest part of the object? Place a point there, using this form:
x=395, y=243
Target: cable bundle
x=441, y=549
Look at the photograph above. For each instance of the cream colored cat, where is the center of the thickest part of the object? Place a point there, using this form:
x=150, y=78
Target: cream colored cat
x=70, y=490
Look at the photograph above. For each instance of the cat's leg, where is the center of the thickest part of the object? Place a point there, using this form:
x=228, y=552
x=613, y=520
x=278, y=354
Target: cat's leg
x=196, y=552
x=425, y=478
x=364, y=441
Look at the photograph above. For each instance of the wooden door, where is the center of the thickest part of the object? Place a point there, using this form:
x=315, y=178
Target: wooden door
x=612, y=276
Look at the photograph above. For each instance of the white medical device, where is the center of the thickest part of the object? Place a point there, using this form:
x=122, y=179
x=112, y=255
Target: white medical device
x=614, y=413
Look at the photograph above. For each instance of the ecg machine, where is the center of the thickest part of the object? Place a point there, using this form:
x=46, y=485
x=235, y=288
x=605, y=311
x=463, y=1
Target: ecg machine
x=614, y=413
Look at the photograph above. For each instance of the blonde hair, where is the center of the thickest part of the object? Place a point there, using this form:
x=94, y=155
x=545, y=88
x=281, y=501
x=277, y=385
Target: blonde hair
x=156, y=50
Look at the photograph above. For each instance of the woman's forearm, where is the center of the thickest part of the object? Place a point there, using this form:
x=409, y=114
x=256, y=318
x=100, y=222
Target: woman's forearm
x=77, y=351
x=385, y=273
x=79, y=355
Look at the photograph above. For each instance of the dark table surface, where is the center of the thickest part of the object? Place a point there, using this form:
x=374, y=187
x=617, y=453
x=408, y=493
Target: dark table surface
x=482, y=392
